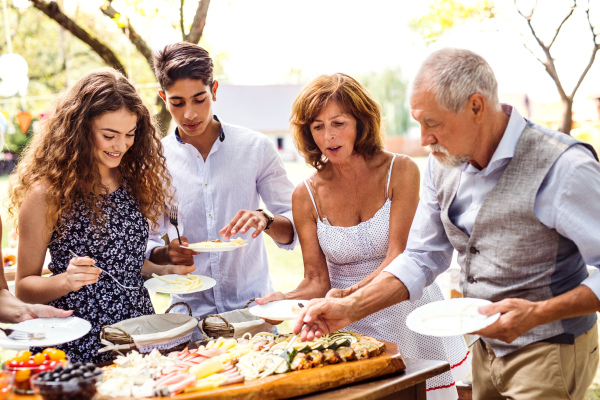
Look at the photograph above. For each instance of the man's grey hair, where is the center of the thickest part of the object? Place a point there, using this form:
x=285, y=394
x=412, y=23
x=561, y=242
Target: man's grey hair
x=454, y=75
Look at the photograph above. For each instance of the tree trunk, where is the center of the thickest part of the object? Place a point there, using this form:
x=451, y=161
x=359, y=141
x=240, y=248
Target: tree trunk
x=162, y=117
x=567, y=118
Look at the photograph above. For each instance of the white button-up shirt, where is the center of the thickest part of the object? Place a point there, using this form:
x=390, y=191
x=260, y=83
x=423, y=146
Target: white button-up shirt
x=242, y=168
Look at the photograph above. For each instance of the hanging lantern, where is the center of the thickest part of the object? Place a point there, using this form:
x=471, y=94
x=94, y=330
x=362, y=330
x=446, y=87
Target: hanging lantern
x=24, y=119
x=13, y=75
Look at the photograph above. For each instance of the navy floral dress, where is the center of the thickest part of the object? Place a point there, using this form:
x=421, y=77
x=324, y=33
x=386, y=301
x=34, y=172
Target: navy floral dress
x=117, y=245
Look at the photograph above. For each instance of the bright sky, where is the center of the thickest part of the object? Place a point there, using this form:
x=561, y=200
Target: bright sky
x=265, y=40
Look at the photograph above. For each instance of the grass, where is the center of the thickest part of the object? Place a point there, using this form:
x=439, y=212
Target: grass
x=285, y=266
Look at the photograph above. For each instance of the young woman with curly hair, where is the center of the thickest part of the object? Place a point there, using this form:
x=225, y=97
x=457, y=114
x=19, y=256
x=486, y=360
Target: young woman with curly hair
x=88, y=183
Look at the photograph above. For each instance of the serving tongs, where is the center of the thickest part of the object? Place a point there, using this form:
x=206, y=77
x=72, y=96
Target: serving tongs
x=285, y=353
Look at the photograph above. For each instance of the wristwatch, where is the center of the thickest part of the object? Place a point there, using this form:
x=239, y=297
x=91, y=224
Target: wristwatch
x=269, y=215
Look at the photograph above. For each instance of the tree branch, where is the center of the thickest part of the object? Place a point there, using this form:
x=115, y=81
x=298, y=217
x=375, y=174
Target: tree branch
x=549, y=63
x=562, y=23
x=592, y=57
x=53, y=11
x=199, y=21
x=139, y=43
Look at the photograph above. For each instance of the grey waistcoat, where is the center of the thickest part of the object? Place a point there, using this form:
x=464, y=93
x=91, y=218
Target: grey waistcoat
x=510, y=254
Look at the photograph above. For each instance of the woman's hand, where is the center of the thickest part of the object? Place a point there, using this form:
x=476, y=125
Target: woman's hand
x=275, y=296
x=341, y=293
x=80, y=272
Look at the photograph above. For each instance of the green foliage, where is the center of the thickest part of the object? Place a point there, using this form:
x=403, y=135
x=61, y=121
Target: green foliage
x=17, y=141
x=443, y=15
x=390, y=89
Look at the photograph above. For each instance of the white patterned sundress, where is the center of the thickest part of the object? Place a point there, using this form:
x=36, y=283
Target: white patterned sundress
x=353, y=253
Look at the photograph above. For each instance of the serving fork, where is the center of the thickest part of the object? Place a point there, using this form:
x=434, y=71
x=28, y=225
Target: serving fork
x=173, y=218
x=107, y=273
x=22, y=335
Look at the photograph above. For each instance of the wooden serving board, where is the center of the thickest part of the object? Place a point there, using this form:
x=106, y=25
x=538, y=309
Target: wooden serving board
x=298, y=383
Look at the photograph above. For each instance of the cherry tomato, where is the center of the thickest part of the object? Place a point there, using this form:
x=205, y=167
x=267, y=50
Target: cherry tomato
x=30, y=364
x=13, y=363
x=39, y=358
x=20, y=364
x=46, y=362
x=57, y=355
x=24, y=356
x=22, y=375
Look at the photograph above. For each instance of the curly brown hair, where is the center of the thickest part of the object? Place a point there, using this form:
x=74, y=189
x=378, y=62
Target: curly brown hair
x=353, y=98
x=62, y=157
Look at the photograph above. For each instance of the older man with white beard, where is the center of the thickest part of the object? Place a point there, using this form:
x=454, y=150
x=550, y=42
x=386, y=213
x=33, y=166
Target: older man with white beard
x=521, y=205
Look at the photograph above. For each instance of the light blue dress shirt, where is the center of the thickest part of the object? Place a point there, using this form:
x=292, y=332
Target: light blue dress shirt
x=242, y=168
x=568, y=200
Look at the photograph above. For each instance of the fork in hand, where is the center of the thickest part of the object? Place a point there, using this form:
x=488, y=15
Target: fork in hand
x=173, y=215
x=107, y=273
x=22, y=335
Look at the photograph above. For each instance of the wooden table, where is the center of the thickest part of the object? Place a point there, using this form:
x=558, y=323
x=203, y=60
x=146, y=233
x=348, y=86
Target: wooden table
x=404, y=385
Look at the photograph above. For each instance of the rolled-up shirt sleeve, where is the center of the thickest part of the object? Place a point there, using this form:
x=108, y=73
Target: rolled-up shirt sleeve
x=428, y=251
x=275, y=189
x=577, y=206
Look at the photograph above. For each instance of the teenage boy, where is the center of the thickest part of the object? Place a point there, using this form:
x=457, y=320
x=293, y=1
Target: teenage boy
x=220, y=173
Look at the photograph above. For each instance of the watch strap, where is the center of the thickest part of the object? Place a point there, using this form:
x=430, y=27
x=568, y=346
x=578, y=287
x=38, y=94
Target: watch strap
x=270, y=218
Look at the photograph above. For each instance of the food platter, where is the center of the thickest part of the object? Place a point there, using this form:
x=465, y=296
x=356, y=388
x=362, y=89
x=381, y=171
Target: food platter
x=450, y=317
x=281, y=310
x=367, y=359
x=57, y=330
x=159, y=285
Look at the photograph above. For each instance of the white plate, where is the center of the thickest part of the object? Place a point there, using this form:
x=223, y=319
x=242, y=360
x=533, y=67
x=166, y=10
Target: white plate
x=208, y=249
x=154, y=283
x=277, y=310
x=58, y=331
x=450, y=317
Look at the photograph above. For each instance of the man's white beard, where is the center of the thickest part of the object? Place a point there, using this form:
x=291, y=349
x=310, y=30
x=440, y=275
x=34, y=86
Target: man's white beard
x=447, y=160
